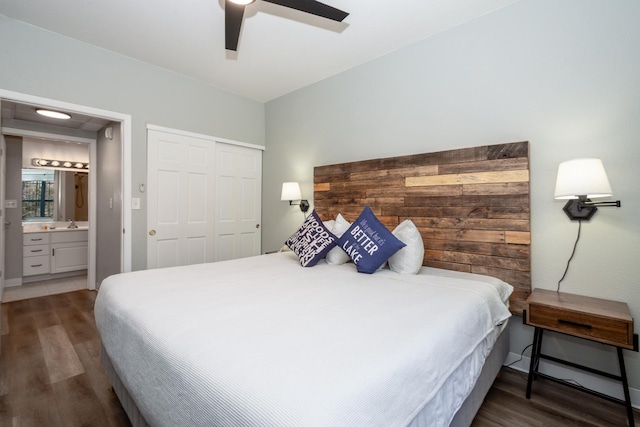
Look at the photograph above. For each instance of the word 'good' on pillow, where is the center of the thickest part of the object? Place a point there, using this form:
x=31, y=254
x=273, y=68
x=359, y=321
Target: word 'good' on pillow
x=409, y=259
x=337, y=255
x=368, y=242
x=312, y=241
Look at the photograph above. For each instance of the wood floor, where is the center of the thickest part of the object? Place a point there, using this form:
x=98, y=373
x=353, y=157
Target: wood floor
x=50, y=375
x=50, y=372
x=551, y=404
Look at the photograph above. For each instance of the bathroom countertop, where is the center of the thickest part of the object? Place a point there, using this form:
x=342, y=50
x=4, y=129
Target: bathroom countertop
x=39, y=229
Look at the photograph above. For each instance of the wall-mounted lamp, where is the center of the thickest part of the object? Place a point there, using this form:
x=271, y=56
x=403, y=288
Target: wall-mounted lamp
x=581, y=180
x=61, y=164
x=291, y=192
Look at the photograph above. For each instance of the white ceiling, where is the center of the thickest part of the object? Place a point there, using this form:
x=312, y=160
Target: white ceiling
x=280, y=49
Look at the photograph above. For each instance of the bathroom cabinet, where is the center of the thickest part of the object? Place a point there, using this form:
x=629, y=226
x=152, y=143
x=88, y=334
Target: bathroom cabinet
x=55, y=251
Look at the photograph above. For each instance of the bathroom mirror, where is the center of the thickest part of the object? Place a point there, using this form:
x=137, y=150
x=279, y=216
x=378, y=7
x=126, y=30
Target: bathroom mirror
x=54, y=195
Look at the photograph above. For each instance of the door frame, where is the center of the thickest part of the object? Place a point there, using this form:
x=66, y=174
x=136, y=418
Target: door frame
x=125, y=120
x=3, y=215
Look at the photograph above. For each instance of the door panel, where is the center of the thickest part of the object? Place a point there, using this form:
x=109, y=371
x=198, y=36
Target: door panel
x=239, y=183
x=180, y=199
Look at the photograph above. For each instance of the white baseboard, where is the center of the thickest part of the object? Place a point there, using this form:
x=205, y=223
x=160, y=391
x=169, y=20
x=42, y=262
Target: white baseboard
x=9, y=283
x=594, y=382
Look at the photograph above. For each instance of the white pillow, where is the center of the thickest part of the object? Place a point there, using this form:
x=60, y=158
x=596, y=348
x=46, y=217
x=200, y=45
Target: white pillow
x=407, y=260
x=337, y=255
x=329, y=224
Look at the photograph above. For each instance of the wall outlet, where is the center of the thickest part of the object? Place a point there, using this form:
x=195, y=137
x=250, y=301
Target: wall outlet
x=10, y=204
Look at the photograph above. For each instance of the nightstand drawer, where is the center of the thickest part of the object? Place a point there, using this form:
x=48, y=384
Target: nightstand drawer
x=605, y=330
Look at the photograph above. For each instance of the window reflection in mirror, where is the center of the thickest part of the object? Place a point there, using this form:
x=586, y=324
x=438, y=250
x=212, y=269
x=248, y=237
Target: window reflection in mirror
x=54, y=195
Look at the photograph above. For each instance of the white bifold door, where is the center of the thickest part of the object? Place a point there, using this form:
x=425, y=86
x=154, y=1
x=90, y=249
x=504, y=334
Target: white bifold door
x=189, y=197
x=238, y=213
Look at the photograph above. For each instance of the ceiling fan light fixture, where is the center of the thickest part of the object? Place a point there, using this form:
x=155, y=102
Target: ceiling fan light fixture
x=234, y=11
x=53, y=114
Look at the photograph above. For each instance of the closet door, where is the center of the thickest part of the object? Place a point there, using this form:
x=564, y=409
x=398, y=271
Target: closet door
x=203, y=199
x=180, y=199
x=238, y=201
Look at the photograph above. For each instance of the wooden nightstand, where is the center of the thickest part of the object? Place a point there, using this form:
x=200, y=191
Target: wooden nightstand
x=604, y=321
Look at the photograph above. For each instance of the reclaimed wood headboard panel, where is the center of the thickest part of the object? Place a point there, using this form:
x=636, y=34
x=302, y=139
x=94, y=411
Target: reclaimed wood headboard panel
x=471, y=206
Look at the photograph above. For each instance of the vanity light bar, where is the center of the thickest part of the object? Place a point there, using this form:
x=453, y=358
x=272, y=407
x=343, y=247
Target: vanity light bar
x=62, y=164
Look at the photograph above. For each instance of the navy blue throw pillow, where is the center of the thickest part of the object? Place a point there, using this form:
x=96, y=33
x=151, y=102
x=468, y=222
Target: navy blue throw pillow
x=368, y=242
x=312, y=241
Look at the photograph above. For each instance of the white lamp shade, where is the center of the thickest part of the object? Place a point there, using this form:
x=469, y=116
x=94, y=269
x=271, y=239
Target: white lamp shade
x=582, y=177
x=290, y=191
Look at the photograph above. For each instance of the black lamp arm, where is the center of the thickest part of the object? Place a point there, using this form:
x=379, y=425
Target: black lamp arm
x=304, y=204
x=583, y=208
x=612, y=203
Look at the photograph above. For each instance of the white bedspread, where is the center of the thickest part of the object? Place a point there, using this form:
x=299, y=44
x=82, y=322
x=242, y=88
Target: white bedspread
x=264, y=342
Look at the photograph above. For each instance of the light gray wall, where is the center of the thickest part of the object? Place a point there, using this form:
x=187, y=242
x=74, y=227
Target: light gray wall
x=13, y=189
x=37, y=62
x=564, y=75
x=56, y=150
x=109, y=203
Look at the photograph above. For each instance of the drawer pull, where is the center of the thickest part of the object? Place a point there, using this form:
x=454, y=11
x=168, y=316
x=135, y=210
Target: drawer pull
x=36, y=265
x=36, y=250
x=36, y=240
x=576, y=324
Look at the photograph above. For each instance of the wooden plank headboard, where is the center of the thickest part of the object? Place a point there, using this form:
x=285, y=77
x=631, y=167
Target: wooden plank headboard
x=471, y=206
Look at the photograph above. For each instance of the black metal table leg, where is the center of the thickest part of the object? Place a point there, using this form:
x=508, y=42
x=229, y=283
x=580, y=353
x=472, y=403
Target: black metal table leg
x=535, y=358
x=625, y=386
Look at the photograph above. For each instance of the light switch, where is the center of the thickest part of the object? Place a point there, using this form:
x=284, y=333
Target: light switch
x=135, y=203
x=10, y=204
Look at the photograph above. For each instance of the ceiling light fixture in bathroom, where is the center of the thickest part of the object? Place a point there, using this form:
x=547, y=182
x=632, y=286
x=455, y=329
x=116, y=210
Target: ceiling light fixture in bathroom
x=53, y=114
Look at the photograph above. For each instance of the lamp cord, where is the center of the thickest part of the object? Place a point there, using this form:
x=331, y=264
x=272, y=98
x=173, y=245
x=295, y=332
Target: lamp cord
x=575, y=245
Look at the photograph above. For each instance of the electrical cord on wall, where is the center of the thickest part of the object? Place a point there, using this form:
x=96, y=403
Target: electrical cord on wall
x=521, y=356
x=575, y=245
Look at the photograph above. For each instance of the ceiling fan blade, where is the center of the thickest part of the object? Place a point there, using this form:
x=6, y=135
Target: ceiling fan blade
x=232, y=24
x=313, y=7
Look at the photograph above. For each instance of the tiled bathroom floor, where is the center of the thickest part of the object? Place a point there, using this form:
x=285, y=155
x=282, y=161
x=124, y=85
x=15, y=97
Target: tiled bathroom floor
x=43, y=288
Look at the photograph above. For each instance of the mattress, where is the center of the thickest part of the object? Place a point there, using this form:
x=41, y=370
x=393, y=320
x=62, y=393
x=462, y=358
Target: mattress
x=263, y=341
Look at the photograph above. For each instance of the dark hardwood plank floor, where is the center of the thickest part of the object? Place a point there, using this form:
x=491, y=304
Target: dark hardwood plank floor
x=551, y=404
x=50, y=372
x=50, y=375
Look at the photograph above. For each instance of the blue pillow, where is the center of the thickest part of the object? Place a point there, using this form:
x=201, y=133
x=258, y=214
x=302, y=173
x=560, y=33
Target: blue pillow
x=312, y=241
x=368, y=242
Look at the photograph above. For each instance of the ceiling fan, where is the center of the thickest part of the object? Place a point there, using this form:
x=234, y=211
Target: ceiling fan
x=234, y=10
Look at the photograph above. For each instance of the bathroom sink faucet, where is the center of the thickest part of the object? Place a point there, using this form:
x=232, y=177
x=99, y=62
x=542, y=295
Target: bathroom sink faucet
x=72, y=224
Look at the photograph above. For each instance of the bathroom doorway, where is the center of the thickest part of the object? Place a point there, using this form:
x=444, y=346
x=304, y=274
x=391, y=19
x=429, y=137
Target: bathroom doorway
x=117, y=198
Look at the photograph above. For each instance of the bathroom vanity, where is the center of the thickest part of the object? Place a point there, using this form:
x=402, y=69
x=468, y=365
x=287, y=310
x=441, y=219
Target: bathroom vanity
x=60, y=250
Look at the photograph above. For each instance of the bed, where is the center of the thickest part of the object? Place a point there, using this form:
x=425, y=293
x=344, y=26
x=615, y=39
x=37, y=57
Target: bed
x=263, y=341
